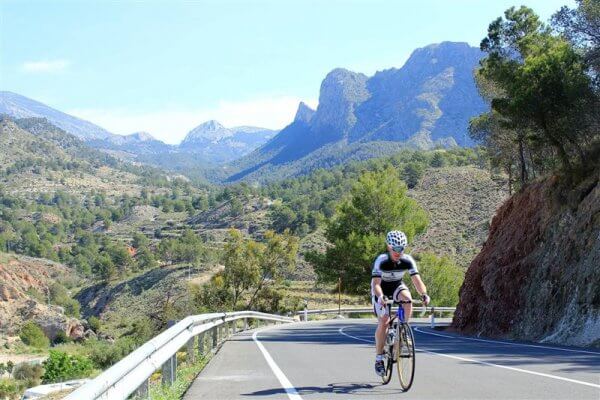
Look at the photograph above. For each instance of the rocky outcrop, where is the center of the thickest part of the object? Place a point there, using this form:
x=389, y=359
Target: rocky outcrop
x=537, y=276
x=24, y=285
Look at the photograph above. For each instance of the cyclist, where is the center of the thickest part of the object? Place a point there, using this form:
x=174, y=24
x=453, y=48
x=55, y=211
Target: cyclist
x=386, y=282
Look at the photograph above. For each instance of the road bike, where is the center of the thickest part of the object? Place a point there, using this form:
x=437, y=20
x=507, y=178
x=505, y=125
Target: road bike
x=399, y=346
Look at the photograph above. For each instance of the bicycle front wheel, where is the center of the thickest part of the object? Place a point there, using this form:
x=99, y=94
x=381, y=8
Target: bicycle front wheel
x=405, y=356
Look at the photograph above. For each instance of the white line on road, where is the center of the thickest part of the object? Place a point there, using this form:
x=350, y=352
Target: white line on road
x=508, y=343
x=285, y=383
x=341, y=330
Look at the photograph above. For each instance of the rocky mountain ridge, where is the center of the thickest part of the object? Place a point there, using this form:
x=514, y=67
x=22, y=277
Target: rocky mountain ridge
x=426, y=103
x=210, y=142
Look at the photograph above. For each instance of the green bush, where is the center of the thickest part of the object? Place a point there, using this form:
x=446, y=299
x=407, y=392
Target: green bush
x=11, y=388
x=104, y=354
x=32, y=335
x=62, y=337
x=94, y=323
x=442, y=277
x=61, y=367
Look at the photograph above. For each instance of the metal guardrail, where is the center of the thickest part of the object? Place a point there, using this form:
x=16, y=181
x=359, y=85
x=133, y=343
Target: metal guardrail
x=131, y=373
x=366, y=310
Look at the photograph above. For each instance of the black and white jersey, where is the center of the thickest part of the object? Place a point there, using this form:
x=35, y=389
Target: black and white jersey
x=391, y=272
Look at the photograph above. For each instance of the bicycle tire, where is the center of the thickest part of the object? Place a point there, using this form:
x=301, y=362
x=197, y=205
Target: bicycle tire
x=389, y=363
x=405, y=356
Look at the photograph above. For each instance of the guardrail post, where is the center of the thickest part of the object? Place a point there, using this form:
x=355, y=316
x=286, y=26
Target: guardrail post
x=191, y=355
x=215, y=336
x=201, y=344
x=169, y=368
x=234, y=326
x=142, y=391
x=306, y=313
x=245, y=324
x=432, y=317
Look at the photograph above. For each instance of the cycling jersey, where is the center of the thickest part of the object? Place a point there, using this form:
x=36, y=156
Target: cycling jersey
x=391, y=272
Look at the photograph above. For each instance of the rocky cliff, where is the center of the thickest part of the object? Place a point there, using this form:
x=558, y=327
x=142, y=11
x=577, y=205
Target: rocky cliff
x=24, y=284
x=537, y=276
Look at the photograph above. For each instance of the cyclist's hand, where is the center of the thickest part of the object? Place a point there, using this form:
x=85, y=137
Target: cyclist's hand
x=426, y=299
x=382, y=300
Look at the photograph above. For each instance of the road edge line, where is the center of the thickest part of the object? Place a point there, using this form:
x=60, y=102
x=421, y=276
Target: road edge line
x=290, y=390
x=419, y=329
x=341, y=331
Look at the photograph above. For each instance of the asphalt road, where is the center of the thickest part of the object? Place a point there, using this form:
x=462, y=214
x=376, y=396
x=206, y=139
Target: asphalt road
x=334, y=360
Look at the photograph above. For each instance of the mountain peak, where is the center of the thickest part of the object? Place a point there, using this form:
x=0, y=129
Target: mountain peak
x=304, y=113
x=141, y=136
x=210, y=131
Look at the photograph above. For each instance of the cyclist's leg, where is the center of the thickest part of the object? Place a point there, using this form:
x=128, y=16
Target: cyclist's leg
x=382, y=321
x=402, y=293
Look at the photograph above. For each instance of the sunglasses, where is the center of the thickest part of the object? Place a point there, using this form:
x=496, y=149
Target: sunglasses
x=398, y=249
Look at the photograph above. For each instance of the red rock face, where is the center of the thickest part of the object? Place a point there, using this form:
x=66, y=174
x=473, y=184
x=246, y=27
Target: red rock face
x=542, y=254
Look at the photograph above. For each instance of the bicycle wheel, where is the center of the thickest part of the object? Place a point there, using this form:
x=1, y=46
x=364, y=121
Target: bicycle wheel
x=388, y=360
x=405, y=356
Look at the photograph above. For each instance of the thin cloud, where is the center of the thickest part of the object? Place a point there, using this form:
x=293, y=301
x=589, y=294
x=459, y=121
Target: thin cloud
x=45, y=66
x=171, y=125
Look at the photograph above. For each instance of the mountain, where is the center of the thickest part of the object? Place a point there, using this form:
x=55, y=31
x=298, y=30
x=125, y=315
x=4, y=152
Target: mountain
x=207, y=132
x=426, y=103
x=134, y=145
x=216, y=144
x=38, y=157
x=18, y=106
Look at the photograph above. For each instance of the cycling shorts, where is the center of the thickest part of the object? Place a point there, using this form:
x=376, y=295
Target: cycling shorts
x=384, y=310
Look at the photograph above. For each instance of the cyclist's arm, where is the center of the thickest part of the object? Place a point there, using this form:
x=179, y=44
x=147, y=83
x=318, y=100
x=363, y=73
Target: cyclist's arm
x=419, y=285
x=376, y=284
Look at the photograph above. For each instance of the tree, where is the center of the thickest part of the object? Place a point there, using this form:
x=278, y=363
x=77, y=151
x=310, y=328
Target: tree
x=542, y=87
x=377, y=204
x=277, y=259
x=241, y=261
x=412, y=174
x=581, y=27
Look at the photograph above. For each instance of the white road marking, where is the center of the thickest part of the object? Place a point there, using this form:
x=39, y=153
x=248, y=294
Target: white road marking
x=508, y=343
x=341, y=330
x=283, y=380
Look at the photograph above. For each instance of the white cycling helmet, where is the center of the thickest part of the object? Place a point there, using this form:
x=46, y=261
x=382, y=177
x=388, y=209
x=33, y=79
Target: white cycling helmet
x=396, y=239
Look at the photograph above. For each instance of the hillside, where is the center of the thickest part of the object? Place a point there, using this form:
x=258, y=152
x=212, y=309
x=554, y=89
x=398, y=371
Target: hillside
x=460, y=202
x=426, y=103
x=537, y=275
x=25, y=286
x=36, y=157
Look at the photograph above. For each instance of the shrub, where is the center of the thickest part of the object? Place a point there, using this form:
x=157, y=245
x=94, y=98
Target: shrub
x=442, y=278
x=61, y=367
x=32, y=335
x=30, y=373
x=10, y=388
x=104, y=354
x=62, y=337
x=94, y=323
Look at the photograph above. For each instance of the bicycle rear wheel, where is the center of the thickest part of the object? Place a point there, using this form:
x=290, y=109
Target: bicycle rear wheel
x=389, y=363
x=405, y=356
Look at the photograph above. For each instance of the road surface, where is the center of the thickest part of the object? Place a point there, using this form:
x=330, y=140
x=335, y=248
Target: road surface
x=334, y=360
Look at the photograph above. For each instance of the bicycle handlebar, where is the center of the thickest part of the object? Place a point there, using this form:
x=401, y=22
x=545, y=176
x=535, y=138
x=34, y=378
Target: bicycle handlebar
x=392, y=302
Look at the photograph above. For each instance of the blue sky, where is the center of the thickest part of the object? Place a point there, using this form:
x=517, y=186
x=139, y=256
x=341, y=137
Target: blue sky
x=166, y=66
